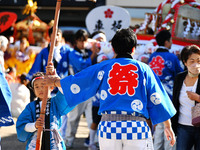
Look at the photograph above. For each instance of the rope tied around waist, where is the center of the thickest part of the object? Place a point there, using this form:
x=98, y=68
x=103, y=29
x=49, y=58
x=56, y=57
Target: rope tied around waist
x=120, y=117
x=56, y=135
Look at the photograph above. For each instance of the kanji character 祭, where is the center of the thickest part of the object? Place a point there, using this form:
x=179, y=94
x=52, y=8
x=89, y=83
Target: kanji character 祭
x=123, y=79
x=157, y=64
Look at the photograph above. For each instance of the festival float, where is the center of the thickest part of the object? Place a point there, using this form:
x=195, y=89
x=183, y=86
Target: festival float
x=31, y=27
x=180, y=17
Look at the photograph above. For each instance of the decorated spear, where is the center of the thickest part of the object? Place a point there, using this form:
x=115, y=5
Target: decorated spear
x=50, y=58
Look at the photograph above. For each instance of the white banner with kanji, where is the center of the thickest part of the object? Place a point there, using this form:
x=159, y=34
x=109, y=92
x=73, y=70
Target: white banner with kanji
x=107, y=19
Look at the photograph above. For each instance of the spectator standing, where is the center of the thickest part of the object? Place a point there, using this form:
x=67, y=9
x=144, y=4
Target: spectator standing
x=166, y=66
x=185, y=95
x=129, y=91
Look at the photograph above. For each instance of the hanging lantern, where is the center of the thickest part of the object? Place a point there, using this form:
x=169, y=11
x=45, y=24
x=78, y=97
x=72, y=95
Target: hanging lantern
x=182, y=1
x=168, y=27
x=172, y=21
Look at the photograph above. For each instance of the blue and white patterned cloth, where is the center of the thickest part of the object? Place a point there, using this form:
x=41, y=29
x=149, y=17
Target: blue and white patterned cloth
x=126, y=130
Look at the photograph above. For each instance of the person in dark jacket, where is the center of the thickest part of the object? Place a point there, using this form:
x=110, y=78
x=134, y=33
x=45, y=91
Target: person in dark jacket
x=186, y=93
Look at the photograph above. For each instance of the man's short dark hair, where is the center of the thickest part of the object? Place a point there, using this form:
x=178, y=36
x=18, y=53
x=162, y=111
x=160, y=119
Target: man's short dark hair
x=81, y=34
x=123, y=41
x=163, y=36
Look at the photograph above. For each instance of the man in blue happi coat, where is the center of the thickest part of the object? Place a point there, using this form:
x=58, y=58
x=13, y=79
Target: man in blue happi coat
x=130, y=93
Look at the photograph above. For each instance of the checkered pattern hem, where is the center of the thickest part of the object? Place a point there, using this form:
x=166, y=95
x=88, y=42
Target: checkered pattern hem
x=126, y=130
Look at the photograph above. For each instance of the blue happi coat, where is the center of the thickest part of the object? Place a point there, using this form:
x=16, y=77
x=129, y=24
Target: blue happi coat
x=124, y=84
x=79, y=60
x=5, y=100
x=58, y=108
x=42, y=59
x=166, y=65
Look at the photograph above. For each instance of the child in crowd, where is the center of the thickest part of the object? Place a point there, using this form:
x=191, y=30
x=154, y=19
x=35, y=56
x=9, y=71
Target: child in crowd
x=29, y=120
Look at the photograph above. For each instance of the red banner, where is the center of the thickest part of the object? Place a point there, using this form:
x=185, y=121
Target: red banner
x=6, y=20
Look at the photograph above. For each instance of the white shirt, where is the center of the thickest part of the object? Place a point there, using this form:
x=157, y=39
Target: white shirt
x=20, y=98
x=186, y=104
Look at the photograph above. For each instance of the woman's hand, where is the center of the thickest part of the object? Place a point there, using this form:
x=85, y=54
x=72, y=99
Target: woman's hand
x=193, y=96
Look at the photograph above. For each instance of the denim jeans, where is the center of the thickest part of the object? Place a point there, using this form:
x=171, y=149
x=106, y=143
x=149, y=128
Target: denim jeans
x=187, y=137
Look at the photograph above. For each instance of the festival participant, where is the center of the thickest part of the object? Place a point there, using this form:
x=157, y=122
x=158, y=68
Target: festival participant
x=80, y=58
x=186, y=93
x=99, y=36
x=29, y=120
x=129, y=92
x=166, y=66
x=59, y=58
x=5, y=100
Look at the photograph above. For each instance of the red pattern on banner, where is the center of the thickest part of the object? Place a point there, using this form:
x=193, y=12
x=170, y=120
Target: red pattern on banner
x=108, y=13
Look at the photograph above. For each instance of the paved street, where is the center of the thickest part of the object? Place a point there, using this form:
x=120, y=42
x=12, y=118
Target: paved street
x=9, y=138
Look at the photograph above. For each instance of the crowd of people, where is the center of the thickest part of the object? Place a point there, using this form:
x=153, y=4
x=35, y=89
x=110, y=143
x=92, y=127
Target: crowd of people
x=128, y=104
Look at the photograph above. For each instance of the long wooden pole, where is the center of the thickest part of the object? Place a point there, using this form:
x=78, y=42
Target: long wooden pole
x=50, y=58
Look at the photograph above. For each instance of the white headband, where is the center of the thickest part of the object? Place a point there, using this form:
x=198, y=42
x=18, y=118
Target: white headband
x=36, y=79
x=99, y=35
